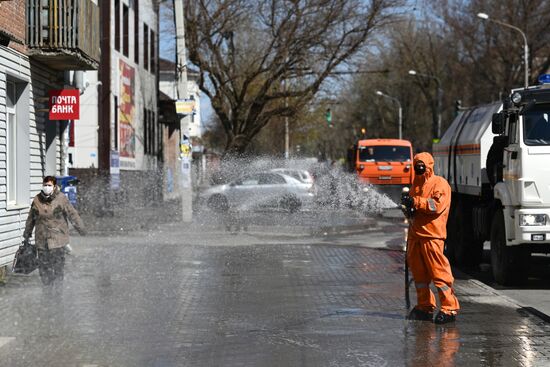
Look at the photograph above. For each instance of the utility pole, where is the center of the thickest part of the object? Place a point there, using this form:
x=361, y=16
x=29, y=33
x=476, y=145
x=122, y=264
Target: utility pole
x=399, y=113
x=186, y=185
x=287, y=127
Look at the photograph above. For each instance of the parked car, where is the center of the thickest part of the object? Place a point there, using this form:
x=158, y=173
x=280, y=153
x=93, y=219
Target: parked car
x=256, y=190
x=300, y=174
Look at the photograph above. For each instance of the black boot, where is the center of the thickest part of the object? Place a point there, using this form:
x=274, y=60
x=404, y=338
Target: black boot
x=420, y=315
x=444, y=318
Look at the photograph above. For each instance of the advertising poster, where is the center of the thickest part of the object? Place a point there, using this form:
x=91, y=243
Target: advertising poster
x=126, y=113
x=185, y=157
x=185, y=173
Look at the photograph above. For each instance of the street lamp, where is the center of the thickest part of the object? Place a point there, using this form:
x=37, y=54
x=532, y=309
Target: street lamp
x=485, y=16
x=400, y=111
x=437, y=129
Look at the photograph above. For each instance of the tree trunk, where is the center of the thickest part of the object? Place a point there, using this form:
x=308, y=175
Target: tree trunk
x=236, y=146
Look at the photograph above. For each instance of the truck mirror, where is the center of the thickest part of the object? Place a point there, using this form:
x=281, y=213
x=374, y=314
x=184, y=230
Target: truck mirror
x=506, y=103
x=497, y=125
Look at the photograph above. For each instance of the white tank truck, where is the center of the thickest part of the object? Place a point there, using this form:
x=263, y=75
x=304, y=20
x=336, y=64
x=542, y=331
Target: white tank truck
x=496, y=158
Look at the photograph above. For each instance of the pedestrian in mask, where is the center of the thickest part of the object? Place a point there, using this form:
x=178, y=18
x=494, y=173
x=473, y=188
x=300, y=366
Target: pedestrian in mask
x=429, y=202
x=49, y=214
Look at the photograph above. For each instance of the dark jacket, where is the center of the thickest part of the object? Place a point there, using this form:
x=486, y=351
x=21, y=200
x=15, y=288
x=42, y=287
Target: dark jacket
x=50, y=216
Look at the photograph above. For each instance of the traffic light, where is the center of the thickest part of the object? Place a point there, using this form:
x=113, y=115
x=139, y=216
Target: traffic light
x=328, y=117
x=363, y=131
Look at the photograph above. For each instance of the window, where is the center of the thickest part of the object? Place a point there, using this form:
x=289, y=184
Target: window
x=116, y=123
x=146, y=131
x=536, y=125
x=116, y=15
x=125, y=31
x=248, y=181
x=17, y=143
x=160, y=133
x=271, y=179
x=383, y=153
x=136, y=31
x=11, y=141
x=154, y=146
x=145, y=46
x=153, y=53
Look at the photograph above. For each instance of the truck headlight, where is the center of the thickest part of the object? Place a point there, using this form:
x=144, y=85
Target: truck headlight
x=532, y=219
x=516, y=98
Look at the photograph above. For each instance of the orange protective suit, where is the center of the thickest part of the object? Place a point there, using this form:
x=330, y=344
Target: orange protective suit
x=426, y=239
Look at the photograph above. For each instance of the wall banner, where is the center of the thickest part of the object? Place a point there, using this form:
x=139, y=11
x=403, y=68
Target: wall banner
x=127, y=131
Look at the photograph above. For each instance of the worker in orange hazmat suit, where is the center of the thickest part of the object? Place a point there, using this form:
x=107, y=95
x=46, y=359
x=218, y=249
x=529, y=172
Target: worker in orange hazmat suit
x=429, y=201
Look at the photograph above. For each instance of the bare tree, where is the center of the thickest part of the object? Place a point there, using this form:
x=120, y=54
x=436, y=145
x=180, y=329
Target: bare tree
x=261, y=59
x=491, y=58
x=476, y=62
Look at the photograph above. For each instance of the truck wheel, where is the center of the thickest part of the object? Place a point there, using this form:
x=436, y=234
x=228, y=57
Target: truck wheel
x=510, y=264
x=290, y=203
x=218, y=203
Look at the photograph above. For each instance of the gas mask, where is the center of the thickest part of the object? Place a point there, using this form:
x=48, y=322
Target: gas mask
x=419, y=168
x=47, y=190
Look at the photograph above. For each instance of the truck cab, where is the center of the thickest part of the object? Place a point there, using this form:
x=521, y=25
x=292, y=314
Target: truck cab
x=384, y=161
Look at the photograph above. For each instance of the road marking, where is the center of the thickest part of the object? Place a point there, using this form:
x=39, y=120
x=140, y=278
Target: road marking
x=5, y=340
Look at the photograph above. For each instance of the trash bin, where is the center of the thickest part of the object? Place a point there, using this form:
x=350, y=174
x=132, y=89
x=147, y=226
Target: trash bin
x=68, y=187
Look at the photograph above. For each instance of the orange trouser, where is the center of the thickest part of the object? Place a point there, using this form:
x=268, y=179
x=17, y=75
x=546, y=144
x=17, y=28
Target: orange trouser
x=428, y=264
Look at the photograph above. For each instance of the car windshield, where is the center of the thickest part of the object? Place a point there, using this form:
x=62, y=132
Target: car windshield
x=384, y=154
x=536, y=127
x=248, y=181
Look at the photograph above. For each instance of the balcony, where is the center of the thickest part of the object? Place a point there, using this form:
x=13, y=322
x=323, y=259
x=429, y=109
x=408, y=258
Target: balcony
x=64, y=34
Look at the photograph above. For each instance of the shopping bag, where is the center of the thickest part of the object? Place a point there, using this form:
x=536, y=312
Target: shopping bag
x=26, y=259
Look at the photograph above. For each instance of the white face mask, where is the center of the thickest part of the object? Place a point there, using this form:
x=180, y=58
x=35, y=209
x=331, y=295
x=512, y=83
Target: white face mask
x=47, y=190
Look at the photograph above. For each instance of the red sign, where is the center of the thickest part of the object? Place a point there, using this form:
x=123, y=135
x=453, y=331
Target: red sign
x=64, y=104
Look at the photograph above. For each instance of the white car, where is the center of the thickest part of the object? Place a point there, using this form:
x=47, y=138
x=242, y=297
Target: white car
x=255, y=190
x=300, y=174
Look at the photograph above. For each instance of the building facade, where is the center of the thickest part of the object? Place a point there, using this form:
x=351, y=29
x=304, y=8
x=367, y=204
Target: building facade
x=118, y=136
x=34, y=59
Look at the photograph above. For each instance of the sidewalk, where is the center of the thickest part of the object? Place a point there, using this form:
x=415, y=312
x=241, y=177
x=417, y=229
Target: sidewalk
x=132, y=219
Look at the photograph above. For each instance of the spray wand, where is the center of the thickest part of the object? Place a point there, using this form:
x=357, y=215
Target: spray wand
x=408, y=209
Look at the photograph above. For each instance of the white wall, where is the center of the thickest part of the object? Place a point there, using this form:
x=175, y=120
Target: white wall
x=144, y=96
x=35, y=166
x=167, y=85
x=84, y=153
x=195, y=126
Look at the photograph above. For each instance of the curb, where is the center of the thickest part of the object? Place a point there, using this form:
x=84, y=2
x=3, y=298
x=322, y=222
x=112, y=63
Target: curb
x=541, y=315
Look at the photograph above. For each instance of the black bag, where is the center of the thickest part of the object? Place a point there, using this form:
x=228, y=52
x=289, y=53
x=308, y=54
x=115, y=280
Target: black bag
x=26, y=259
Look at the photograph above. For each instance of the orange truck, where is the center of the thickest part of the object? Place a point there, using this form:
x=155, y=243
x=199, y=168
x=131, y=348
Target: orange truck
x=384, y=161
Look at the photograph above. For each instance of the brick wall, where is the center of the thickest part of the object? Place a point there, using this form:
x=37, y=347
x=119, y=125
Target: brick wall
x=12, y=21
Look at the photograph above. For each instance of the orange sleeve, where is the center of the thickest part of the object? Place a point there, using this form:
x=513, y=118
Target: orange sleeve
x=438, y=201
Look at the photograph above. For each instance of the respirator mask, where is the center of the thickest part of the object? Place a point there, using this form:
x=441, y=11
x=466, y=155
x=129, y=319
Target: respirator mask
x=419, y=168
x=47, y=190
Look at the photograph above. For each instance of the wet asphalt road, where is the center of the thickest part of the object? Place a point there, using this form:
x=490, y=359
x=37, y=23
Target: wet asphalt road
x=311, y=289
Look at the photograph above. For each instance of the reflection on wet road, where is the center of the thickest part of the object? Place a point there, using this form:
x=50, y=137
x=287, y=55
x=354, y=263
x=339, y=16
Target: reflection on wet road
x=271, y=296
